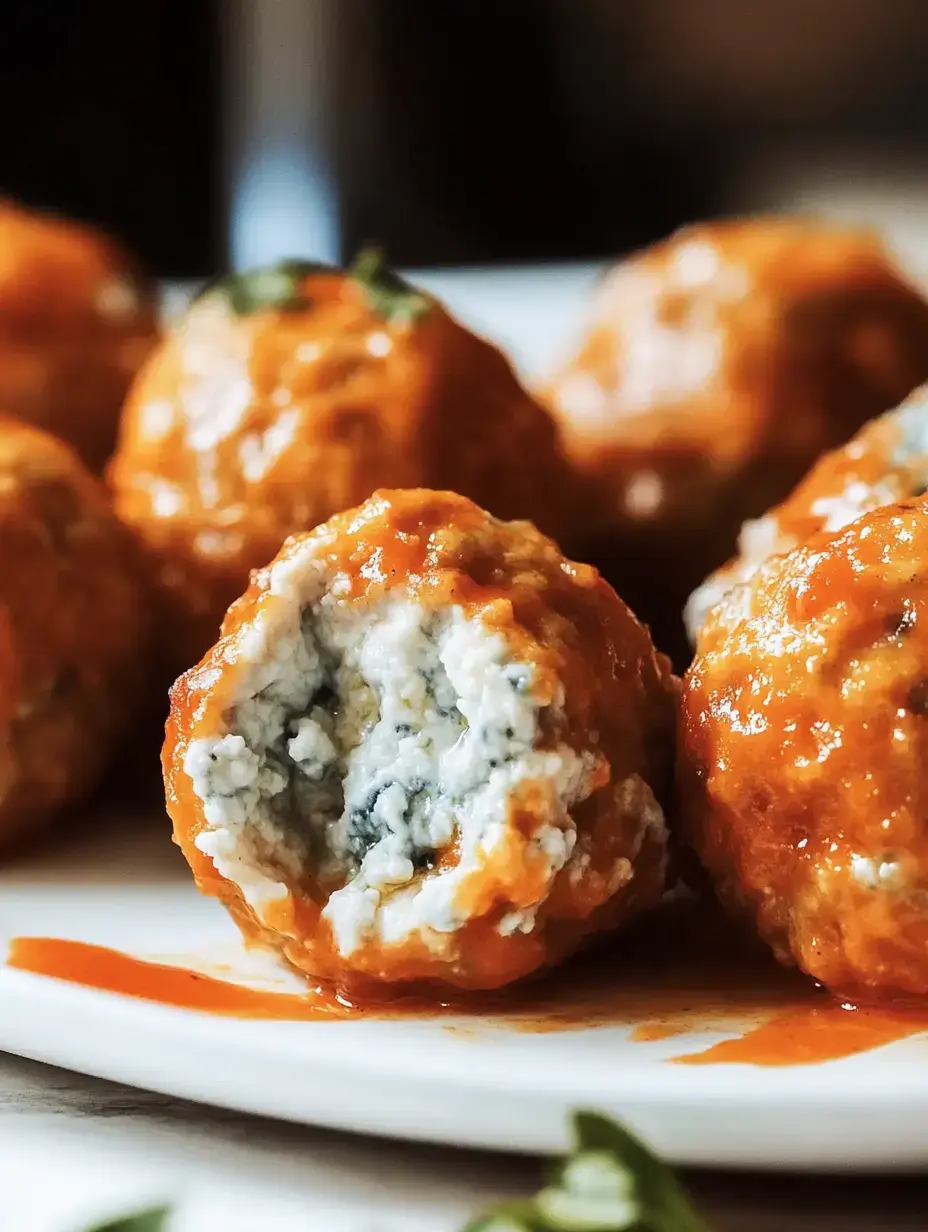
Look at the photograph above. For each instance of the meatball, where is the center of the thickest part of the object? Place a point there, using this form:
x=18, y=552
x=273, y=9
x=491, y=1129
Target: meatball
x=803, y=747
x=887, y=462
x=718, y=366
x=291, y=393
x=76, y=322
x=426, y=748
x=73, y=627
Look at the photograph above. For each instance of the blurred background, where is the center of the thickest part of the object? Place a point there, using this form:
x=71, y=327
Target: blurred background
x=462, y=132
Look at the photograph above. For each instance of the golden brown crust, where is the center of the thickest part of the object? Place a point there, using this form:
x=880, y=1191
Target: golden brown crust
x=76, y=322
x=720, y=364
x=73, y=625
x=803, y=742
x=618, y=707
x=244, y=429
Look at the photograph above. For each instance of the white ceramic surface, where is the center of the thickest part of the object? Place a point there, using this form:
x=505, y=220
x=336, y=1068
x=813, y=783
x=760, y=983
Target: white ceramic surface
x=121, y=883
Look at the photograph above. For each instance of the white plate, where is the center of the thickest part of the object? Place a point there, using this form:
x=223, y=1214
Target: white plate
x=473, y=1083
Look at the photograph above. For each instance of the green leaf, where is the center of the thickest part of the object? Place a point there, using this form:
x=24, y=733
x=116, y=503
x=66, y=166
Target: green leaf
x=610, y=1183
x=594, y=1192
x=154, y=1219
x=271, y=286
x=665, y=1207
x=390, y=296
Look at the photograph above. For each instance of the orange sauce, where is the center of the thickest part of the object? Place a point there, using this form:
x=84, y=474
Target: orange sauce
x=818, y=1033
x=95, y=966
x=678, y=975
x=651, y=1032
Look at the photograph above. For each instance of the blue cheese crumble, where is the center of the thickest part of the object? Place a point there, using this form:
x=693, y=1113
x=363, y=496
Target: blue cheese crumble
x=366, y=739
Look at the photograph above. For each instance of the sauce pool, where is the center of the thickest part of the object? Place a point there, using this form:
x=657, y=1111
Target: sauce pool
x=107, y=970
x=807, y=1036
x=672, y=980
x=96, y=966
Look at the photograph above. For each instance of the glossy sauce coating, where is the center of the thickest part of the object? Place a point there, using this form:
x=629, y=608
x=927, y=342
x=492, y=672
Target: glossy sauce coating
x=718, y=366
x=803, y=745
x=247, y=426
x=585, y=646
x=73, y=629
x=885, y=463
x=76, y=323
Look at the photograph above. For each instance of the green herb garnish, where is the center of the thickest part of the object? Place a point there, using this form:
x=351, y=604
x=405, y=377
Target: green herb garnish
x=277, y=286
x=155, y=1219
x=390, y=296
x=610, y=1183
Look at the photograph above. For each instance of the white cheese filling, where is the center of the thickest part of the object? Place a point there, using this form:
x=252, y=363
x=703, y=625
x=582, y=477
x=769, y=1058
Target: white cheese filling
x=364, y=741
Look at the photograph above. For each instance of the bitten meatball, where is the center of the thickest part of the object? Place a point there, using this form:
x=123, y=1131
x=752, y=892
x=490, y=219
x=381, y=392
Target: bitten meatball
x=426, y=748
x=887, y=462
x=73, y=627
x=718, y=366
x=290, y=394
x=803, y=754
x=76, y=322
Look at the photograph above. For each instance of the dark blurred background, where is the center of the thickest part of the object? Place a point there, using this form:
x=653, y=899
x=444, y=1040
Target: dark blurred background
x=454, y=131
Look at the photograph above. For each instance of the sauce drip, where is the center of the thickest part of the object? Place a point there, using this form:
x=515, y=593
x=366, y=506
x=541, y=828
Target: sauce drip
x=681, y=974
x=805, y=1036
x=95, y=966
